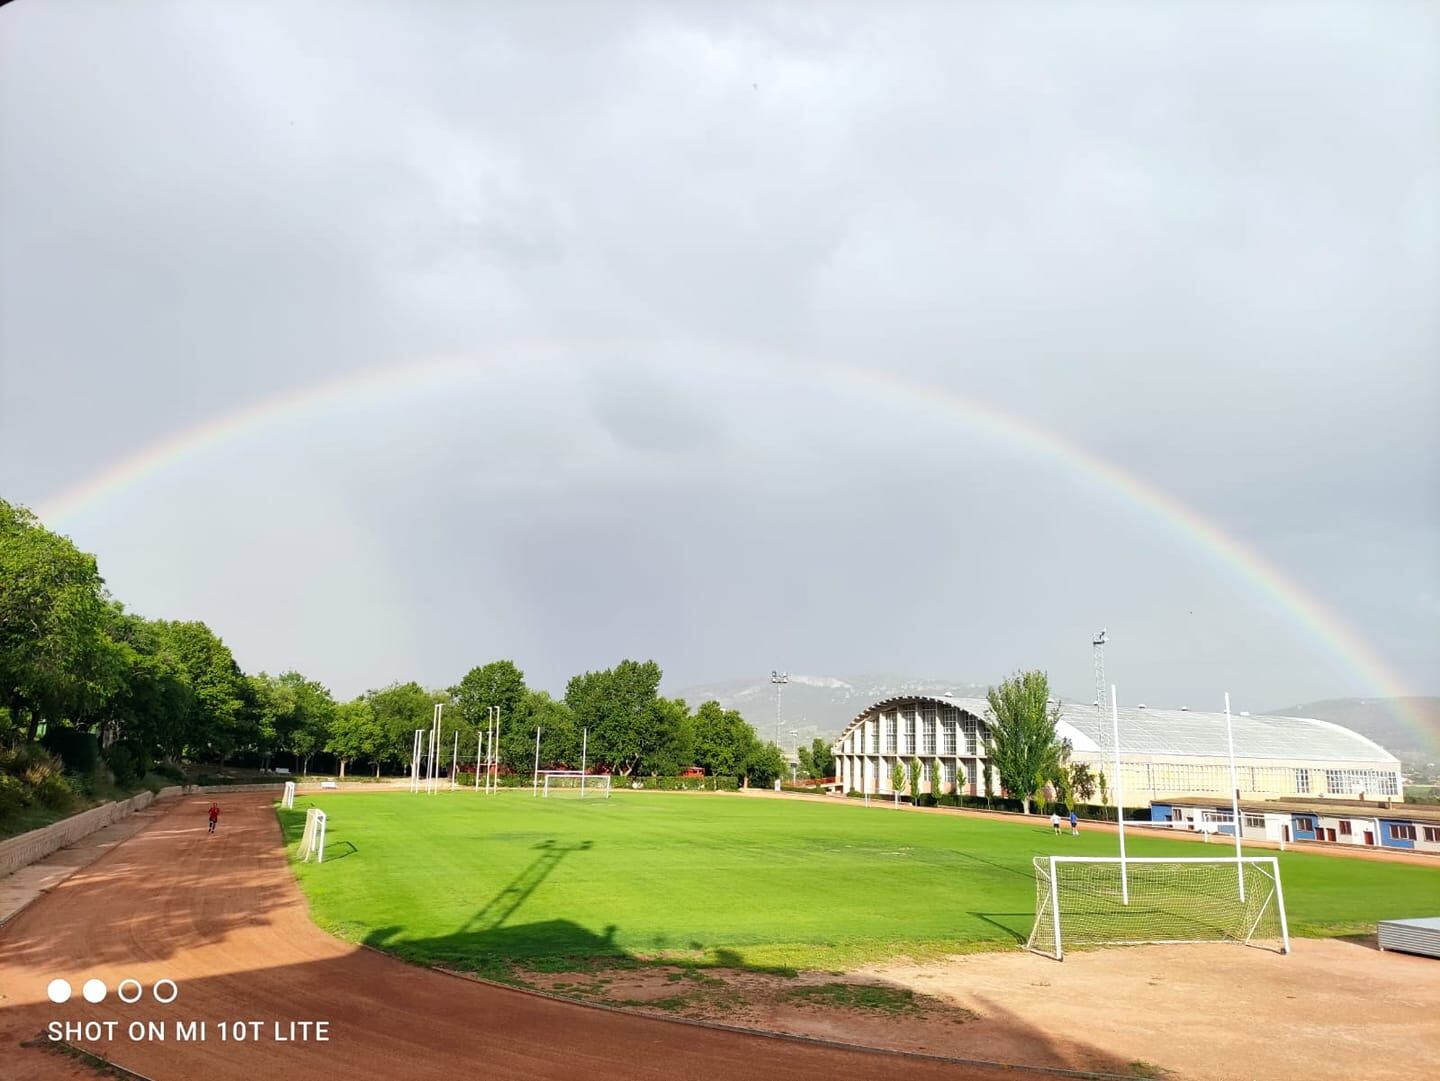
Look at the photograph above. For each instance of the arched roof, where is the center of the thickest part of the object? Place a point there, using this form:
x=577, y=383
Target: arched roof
x=1146, y=731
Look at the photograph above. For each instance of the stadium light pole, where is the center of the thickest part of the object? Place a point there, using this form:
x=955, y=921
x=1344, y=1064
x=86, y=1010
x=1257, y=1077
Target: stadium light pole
x=454, y=759
x=1119, y=794
x=779, y=679
x=1234, y=797
x=479, y=754
x=535, y=784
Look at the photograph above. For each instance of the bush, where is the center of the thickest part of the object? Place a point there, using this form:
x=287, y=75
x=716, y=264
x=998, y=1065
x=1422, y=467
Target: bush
x=54, y=791
x=15, y=795
x=170, y=771
x=124, y=764
x=80, y=751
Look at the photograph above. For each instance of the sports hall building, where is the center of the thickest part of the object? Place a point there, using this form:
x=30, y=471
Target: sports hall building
x=1164, y=753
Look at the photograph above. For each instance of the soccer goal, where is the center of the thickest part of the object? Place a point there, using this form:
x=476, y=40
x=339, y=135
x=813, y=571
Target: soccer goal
x=574, y=783
x=312, y=842
x=288, y=799
x=1106, y=901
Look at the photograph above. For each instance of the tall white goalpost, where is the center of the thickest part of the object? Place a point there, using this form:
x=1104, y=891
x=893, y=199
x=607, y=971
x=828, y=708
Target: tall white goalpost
x=1102, y=900
x=312, y=841
x=288, y=799
x=1079, y=901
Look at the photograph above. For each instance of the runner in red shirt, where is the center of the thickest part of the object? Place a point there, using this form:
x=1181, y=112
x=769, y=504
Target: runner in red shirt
x=214, y=816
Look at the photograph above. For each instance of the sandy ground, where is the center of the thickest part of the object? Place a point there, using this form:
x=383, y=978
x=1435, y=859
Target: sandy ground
x=223, y=918
x=1331, y=1011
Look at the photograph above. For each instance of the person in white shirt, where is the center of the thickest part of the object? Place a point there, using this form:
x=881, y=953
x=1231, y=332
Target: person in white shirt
x=1055, y=823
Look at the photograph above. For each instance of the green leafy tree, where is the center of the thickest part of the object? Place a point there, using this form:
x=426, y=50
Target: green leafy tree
x=222, y=714
x=897, y=780
x=764, y=765
x=55, y=659
x=399, y=710
x=674, y=748
x=499, y=683
x=620, y=708
x=559, y=735
x=916, y=772
x=1025, y=749
x=724, y=741
x=817, y=761
x=1082, y=781
x=1104, y=786
x=355, y=734
x=936, y=779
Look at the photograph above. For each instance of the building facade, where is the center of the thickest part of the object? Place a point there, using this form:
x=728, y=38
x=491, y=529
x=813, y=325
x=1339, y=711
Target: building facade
x=1163, y=753
x=1338, y=821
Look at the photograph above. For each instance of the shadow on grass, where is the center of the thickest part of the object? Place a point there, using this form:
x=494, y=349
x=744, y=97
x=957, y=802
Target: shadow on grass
x=1020, y=934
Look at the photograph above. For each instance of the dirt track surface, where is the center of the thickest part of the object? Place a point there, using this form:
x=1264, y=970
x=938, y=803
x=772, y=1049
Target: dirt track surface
x=222, y=916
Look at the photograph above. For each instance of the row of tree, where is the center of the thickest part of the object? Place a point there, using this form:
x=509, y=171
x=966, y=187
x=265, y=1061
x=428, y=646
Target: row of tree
x=71, y=657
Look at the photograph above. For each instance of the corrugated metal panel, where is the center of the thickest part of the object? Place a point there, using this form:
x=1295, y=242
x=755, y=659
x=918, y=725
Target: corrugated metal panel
x=1420, y=936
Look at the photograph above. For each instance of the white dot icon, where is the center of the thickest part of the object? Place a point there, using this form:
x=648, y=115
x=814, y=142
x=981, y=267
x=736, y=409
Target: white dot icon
x=58, y=990
x=94, y=990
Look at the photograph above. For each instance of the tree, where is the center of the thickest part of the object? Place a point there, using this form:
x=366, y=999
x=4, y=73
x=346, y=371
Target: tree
x=764, y=764
x=499, y=683
x=355, y=734
x=817, y=760
x=674, y=744
x=559, y=735
x=1082, y=781
x=55, y=658
x=936, y=779
x=915, y=774
x=621, y=709
x=1104, y=789
x=222, y=714
x=724, y=741
x=399, y=710
x=897, y=780
x=1022, y=724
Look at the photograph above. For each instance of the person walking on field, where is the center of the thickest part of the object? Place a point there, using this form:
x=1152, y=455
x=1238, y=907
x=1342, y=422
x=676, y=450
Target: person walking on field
x=214, y=815
x=1055, y=823
x=1074, y=824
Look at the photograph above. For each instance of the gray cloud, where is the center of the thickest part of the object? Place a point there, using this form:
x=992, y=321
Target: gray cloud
x=1200, y=241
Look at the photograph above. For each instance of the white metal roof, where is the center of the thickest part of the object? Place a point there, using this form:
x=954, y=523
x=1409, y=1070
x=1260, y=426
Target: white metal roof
x=1185, y=732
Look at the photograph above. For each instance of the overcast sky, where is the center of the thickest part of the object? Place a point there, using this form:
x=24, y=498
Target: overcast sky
x=1201, y=242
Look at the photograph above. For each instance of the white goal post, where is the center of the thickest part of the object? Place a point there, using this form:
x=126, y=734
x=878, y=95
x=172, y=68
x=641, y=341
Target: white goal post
x=312, y=842
x=1082, y=901
x=288, y=799
x=569, y=782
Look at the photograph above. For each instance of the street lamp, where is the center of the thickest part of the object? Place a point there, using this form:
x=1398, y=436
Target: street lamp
x=779, y=679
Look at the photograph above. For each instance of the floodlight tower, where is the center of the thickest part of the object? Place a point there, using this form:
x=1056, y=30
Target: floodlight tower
x=1099, y=643
x=779, y=679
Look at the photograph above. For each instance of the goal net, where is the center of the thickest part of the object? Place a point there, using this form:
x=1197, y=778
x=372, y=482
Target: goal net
x=288, y=799
x=312, y=841
x=574, y=783
x=1103, y=901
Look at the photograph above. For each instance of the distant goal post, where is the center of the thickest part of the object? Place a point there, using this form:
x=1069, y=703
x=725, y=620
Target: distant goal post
x=1109, y=901
x=288, y=799
x=568, y=782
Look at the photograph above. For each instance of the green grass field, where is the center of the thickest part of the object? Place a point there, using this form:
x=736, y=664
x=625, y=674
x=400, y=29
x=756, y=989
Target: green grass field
x=486, y=883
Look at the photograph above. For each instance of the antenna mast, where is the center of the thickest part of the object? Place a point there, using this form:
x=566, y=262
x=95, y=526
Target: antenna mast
x=1099, y=643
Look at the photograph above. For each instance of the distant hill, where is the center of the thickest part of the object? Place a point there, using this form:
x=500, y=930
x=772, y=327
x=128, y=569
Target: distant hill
x=814, y=705
x=1380, y=719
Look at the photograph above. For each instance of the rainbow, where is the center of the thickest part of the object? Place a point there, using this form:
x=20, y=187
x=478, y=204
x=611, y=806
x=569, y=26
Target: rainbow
x=382, y=384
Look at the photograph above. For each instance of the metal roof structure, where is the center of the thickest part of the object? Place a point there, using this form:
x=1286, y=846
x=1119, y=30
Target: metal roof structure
x=1184, y=732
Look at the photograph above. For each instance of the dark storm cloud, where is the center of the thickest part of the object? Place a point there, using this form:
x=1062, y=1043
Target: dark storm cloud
x=1199, y=240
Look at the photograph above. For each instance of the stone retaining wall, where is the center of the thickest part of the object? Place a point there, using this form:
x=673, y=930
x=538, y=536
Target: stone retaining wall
x=21, y=851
